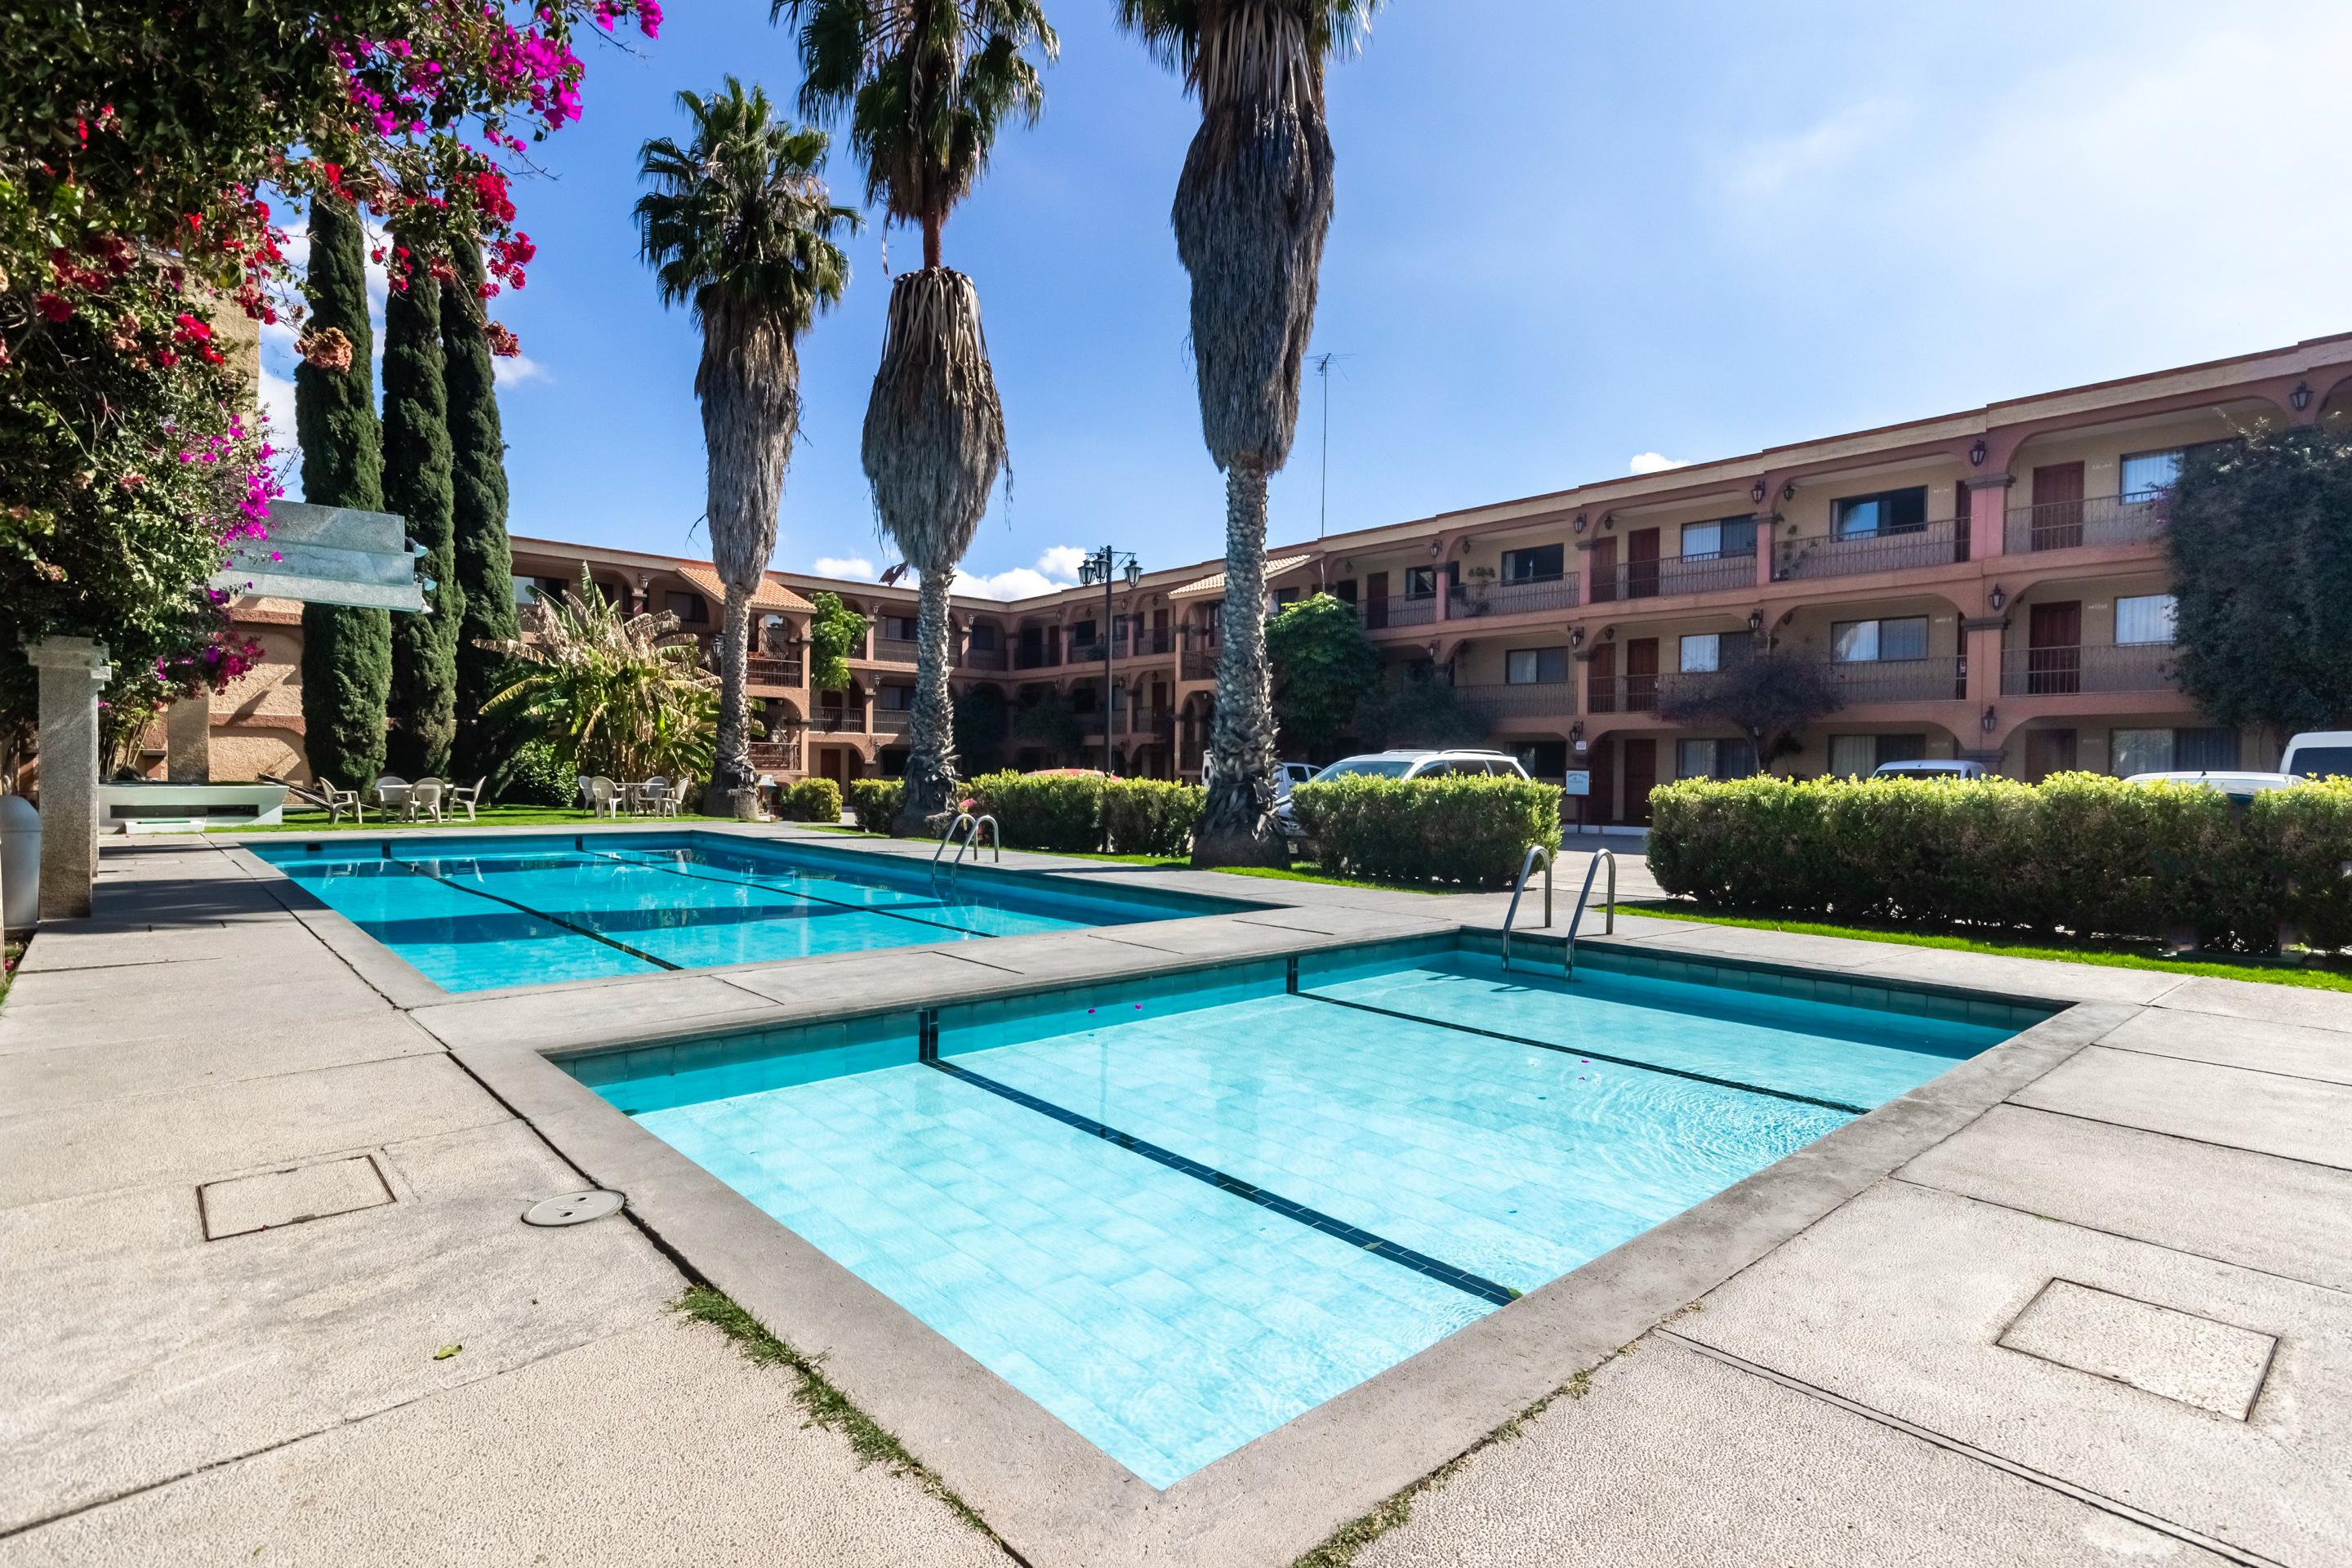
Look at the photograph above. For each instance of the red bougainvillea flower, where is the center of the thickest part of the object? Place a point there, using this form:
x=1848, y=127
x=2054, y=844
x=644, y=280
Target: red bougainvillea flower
x=53, y=308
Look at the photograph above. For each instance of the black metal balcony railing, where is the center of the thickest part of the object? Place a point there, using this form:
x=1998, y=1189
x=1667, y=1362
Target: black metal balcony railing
x=839, y=721
x=1620, y=694
x=892, y=722
x=1046, y=658
x=1500, y=701
x=776, y=756
x=2073, y=524
x=2059, y=671
x=1084, y=653
x=1944, y=679
x=894, y=650
x=762, y=671
x=1200, y=664
x=1378, y=614
x=1907, y=550
x=980, y=659
x=1512, y=598
x=1675, y=575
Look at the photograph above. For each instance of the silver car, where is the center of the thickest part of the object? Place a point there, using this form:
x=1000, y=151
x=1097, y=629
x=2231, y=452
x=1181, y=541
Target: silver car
x=1402, y=764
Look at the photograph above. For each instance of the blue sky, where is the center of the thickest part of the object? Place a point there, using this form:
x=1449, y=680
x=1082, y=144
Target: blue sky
x=1571, y=238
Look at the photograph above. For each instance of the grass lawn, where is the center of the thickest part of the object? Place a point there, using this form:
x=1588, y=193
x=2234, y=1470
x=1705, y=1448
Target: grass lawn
x=2056, y=950
x=490, y=817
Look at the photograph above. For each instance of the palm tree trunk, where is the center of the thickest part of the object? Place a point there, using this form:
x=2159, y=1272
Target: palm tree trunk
x=1237, y=827
x=730, y=767
x=930, y=753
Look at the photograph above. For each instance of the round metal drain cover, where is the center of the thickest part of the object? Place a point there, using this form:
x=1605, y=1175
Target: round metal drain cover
x=574, y=1208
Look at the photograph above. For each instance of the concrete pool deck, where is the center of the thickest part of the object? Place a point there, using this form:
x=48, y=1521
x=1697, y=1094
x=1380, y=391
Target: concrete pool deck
x=2097, y=1312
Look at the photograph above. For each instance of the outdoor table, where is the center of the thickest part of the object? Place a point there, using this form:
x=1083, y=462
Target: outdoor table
x=393, y=799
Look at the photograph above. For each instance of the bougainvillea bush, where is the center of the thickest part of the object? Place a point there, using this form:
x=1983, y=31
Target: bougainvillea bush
x=140, y=143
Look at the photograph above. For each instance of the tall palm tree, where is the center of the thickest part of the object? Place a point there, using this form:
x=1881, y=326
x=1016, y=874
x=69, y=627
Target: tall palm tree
x=926, y=85
x=740, y=226
x=1252, y=207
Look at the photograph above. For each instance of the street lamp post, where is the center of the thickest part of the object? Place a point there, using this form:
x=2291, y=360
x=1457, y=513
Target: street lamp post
x=1107, y=566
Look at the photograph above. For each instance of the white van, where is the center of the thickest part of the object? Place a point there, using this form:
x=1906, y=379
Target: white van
x=1932, y=768
x=2319, y=754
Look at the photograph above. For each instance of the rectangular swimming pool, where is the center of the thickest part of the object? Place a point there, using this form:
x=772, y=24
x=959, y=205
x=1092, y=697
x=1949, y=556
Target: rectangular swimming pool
x=1179, y=1213
x=470, y=914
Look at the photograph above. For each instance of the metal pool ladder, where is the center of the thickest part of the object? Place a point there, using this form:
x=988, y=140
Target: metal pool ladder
x=1527, y=868
x=1576, y=916
x=963, y=840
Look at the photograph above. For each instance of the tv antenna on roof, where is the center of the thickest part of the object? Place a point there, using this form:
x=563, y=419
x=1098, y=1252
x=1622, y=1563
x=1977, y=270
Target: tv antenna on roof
x=1322, y=364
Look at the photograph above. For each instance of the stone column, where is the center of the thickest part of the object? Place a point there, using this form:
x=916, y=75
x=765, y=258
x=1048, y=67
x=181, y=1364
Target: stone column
x=73, y=673
x=188, y=741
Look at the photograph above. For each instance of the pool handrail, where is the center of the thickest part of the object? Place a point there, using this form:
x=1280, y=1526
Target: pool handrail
x=972, y=840
x=1576, y=916
x=1527, y=868
x=950, y=836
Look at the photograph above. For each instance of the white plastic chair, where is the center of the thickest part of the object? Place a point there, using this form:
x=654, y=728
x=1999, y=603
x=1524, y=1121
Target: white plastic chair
x=603, y=797
x=392, y=794
x=653, y=796
x=469, y=796
x=425, y=798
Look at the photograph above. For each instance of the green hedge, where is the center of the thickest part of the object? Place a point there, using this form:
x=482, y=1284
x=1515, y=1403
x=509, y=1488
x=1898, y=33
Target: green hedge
x=1466, y=829
x=2081, y=852
x=877, y=801
x=1071, y=812
x=811, y=800
x=1152, y=816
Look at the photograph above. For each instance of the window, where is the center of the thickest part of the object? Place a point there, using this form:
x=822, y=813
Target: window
x=2144, y=618
x=2145, y=475
x=984, y=634
x=1542, y=759
x=688, y=608
x=1082, y=634
x=897, y=699
x=525, y=592
x=1724, y=536
x=1702, y=652
x=898, y=629
x=1714, y=759
x=2211, y=750
x=1855, y=756
x=1539, y=564
x=1865, y=642
x=1344, y=590
x=1889, y=512
x=2133, y=752
x=1535, y=665
x=1288, y=596
x=1421, y=582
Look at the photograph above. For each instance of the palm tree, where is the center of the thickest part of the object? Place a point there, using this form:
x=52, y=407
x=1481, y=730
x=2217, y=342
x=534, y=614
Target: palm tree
x=926, y=84
x=740, y=224
x=1251, y=206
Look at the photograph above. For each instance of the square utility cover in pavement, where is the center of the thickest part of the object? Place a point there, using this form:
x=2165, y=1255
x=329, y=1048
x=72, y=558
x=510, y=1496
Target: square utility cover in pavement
x=246, y=1204
x=2178, y=1356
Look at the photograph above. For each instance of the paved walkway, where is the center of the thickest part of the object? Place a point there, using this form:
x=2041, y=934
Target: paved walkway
x=2109, y=1322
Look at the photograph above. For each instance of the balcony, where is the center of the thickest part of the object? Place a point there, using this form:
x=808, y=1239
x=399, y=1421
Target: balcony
x=1907, y=550
x=1500, y=702
x=1200, y=664
x=1620, y=694
x=1084, y=653
x=894, y=650
x=1378, y=614
x=1677, y=574
x=989, y=658
x=1942, y=680
x=892, y=720
x=2063, y=671
x=2076, y=524
x=1160, y=640
x=764, y=671
x=839, y=721
x=1049, y=657
x=776, y=756
x=1512, y=598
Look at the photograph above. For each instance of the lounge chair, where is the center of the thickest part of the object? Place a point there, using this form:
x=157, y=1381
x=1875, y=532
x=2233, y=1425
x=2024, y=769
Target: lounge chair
x=322, y=795
x=469, y=796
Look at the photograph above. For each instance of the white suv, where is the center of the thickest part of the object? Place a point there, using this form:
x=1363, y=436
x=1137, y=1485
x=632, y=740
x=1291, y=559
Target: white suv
x=1405, y=765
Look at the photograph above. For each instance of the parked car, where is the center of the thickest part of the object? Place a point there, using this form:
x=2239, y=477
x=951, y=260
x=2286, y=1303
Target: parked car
x=1404, y=764
x=2319, y=754
x=2240, y=787
x=1931, y=768
x=1287, y=774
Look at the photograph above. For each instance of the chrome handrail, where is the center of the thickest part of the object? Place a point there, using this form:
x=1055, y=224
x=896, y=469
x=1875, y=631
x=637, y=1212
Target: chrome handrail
x=1527, y=868
x=1576, y=916
x=949, y=836
x=972, y=840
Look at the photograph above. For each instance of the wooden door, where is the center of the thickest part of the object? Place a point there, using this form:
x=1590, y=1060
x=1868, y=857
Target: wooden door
x=1376, y=600
x=1604, y=566
x=2053, y=641
x=1962, y=507
x=1641, y=565
x=1641, y=674
x=2048, y=752
x=1600, y=681
x=2057, y=507
x=1641, y=777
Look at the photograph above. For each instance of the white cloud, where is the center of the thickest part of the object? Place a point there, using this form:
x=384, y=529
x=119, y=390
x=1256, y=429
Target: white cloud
x=854, y=567
x=514, y=372
x=1654, y=463
x=1057, y=569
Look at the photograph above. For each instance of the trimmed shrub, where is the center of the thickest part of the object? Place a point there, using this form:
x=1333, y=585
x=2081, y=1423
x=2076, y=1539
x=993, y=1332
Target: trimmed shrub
x=875, y=802
x=536, y=775
x=2080, y=852
x=811, y=800
x=1058, y=812
x=1151, y=817
x=1467, y=829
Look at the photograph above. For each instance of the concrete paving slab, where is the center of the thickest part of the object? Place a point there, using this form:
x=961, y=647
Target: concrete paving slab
x=114, y=1012
x=2271, y=1004
x=812, y=986
x=661, y=1446
x=1896, y=1302
x=2282, y=1216
x=194, y=1135
x=2296, y=1118
x=140, y=1351
x=115, y=950
x=2296, y=1049
x=655, y=1006
x=1675, y=1458
x=243, y=1204
x=82, y=1071
x=2175, y=1355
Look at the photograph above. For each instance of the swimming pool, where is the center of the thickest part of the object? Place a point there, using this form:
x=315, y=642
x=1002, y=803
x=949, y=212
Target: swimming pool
x=470, y=914
x=1179, y=1213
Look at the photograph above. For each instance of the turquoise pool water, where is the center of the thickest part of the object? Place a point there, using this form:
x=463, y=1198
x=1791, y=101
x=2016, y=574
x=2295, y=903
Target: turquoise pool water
x=470, y=914
x=1179, y=1215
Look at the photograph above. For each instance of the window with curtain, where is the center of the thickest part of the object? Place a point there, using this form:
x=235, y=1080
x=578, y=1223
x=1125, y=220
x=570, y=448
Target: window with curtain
x=1535, y=665
x=2148, y=474
x=1865, y=642
x=2214, y=750
x=1537, y=564
x=2144, y=618
x=1723, y=536
x=1702, y=652
x=2133, y=752
x=1889, y=512
x=1694, y=759
x=1851, y=756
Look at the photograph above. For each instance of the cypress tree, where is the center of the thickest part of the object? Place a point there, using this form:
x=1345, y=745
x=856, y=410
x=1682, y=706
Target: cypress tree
x=416, y=480
x=346, y=651
x=479, y=513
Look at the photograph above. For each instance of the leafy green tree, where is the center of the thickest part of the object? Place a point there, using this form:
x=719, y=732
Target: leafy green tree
x=346, y=651
x=740, y=226
x=835, y=631
x=485, y=560
x=1324, y=666
x=926, y=85
x=1051, y=723
x=1771, y=697
x=2261, y=538
x=1423, y=711
x=416, y=485
x=982, y=722
x=1252, y=207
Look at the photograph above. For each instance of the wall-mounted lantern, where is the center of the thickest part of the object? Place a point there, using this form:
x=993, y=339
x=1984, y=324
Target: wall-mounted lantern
x=1998, y=599
x=2301, y=396
x=1755, y=492
x=1977, y=454
x=1988, y=721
